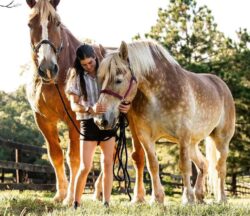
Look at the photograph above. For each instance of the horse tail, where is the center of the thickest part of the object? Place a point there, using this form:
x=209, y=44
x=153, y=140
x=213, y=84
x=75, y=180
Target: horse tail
x=212, y=157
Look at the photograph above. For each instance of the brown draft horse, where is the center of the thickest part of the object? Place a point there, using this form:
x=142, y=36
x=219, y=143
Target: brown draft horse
x=170, y=102
x=53, y=54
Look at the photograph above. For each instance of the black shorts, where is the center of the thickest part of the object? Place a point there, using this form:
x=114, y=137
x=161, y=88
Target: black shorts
x=91, y=132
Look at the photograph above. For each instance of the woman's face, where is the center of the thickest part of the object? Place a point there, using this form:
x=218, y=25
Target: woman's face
x=89, y=64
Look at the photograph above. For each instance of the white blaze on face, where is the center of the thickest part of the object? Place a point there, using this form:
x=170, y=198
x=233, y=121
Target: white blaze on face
x=45, y=51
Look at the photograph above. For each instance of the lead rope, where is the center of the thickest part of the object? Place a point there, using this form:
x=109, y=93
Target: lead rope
x=65, y=108
x=121, y=146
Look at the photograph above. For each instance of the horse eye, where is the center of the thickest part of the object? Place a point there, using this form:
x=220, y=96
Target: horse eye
x=58, y=23
x=29, y=25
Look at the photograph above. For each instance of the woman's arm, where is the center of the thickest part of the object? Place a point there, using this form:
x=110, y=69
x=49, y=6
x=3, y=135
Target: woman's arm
x=75, y=106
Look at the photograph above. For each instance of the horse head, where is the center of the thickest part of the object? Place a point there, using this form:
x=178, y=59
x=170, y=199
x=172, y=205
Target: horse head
x=46, y=40
x=118, y=85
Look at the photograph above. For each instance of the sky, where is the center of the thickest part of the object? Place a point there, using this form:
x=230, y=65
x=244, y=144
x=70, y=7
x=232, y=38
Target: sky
x=105, y=22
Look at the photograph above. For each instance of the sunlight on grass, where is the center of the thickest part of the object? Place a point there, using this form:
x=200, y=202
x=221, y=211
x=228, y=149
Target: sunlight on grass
x=41, y=203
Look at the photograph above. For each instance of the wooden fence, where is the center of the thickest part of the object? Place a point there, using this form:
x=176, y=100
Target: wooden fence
x=18, y=175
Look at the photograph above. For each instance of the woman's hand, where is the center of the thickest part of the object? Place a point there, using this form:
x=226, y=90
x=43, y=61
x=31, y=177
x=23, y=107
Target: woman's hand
x=97, y=109
x=124, y=107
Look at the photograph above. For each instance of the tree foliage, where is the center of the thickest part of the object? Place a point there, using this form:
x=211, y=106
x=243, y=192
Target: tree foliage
x=18, y=124
x=11, y=4
x=191, y=35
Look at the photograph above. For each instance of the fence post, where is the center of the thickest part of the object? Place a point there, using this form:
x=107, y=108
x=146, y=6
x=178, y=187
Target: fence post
x=17, y=161
x=2, y=177
x=234, y=184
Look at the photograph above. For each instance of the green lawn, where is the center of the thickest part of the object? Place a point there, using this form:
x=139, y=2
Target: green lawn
x=41, y=203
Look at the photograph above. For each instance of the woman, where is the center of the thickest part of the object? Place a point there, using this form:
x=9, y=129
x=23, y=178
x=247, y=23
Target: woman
x=82, y=91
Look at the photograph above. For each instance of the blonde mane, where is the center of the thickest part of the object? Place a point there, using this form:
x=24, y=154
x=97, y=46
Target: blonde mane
x=141, y=56
x=45, y=10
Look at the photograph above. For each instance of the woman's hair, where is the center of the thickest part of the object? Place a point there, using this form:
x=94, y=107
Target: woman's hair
x=84, y=51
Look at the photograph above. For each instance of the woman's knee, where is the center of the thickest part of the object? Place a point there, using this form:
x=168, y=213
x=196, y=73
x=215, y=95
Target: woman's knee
x=107, y=161
x=85, y=168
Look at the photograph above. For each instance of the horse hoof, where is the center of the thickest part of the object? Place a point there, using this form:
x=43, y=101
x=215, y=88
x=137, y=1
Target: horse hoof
x=97, y=197
x=154, y=201
x=188, y=200
x=60, y=196
x=68, y=201
x=137, y=200
x=199, y=198
x=157, y=198
x=222, y=201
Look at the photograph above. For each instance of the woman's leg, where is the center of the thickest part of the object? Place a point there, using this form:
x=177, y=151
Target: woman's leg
x=87, y=150
x=107, y=148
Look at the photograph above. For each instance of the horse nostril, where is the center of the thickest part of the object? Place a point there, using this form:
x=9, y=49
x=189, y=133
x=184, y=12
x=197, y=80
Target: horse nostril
x=104, y=122
x=41, y=71
x=55, y=69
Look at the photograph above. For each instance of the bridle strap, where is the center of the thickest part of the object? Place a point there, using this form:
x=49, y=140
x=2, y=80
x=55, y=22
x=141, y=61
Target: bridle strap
x=110, y=92
x=56, y=50
x=130, y=86
x=116, y=95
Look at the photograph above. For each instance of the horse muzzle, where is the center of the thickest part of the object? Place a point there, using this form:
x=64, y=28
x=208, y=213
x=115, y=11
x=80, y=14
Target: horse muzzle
x=103, y=124
x=48, y=73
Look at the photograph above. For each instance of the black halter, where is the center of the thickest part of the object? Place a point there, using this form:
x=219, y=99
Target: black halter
x=56, y=50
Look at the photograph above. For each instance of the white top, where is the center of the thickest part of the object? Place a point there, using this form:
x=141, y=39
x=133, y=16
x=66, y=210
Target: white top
x=92, y=92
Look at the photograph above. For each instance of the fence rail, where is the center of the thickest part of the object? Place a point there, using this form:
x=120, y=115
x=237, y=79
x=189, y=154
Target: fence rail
x=26, y=167
x=22, y=178
x=25, y=174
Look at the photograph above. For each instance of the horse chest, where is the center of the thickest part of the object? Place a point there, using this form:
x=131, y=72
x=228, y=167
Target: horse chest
x=45, y=100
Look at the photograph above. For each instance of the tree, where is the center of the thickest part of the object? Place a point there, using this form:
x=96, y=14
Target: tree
x=192, y=37
x=189, y=33
x=9, y=5
x=17, y=122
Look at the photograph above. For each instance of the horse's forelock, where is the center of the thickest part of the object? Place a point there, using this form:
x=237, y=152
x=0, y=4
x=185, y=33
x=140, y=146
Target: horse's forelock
x=104, y=69
x=44, y=9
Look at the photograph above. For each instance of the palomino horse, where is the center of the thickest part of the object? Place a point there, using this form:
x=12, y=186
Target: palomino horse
x=170, y=102
x=53, y=54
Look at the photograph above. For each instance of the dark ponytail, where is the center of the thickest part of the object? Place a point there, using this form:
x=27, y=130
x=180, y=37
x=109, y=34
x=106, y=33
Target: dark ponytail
x=84, y=51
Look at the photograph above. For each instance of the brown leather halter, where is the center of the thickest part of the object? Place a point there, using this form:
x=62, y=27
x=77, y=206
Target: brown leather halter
x=116, y=95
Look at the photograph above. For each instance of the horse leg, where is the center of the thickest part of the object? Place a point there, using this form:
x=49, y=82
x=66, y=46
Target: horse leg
x=138, y=161
x=202, y=165
x=73, y=160
x=221, y=143
x=153, y=167
x=185, y=168
x=55, y=153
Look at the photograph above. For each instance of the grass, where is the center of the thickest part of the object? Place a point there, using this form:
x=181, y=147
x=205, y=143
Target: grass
x=41, y=203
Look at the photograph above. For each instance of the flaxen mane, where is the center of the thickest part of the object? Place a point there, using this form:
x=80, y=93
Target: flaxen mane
x=141, y=58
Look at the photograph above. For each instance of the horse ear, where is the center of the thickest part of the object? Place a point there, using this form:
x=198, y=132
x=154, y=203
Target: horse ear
x=123, y=51
x=54, y=3
x=102, y=50
x=31, y=3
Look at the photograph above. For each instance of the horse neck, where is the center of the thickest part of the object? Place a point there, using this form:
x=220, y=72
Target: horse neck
x=67, y=56
x=165, y=77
